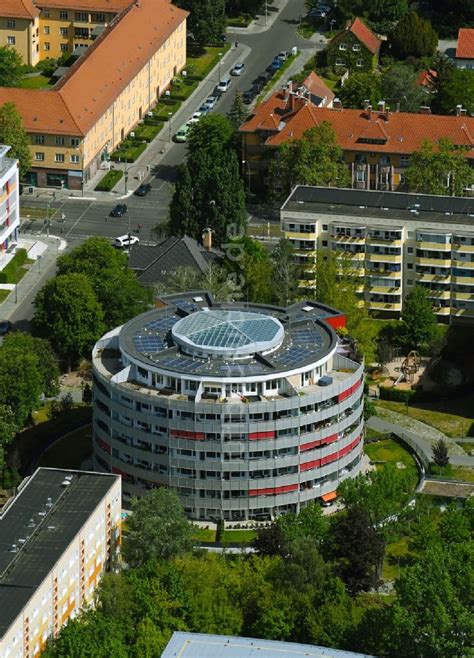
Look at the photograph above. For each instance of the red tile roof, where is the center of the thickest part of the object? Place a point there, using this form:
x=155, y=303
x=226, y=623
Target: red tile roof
x=112, y=6
x=18, y=9
x=465, y=49
x=76, y=103
x=365, y=35
x=317, y=87
x=392, y=132
x=427, y=78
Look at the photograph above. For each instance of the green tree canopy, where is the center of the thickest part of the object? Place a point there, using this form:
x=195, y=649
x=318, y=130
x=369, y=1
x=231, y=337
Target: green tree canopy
x=286, y=273
x=361, y=87
x=419, y=320
x=440, y=453
x=315, y=159
x=10, y=67
x=8, y=428
x=209, y=191
x=399, y=86
x=157, y=528
x=68, y=314
x=413, y=37
x=455, y=88
x=207, y=20
x=439, y=169
x=238, y=112
x=116, y=287
x=13, y=133
x=46, y=359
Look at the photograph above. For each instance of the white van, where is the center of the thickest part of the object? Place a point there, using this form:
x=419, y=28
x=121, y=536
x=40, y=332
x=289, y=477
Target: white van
x=224, y=84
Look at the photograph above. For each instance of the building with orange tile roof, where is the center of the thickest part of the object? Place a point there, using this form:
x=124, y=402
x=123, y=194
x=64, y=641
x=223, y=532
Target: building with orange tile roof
x=377, y=143
x=356, y=48
x=317, y=90
x=77, y=123
x=465, y=48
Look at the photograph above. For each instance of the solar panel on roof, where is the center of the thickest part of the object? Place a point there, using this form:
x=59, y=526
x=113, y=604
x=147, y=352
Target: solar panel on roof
x=148, y=343
x=294, y=356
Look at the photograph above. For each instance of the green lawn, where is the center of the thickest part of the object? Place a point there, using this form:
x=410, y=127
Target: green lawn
x=70, y=451
x=200, y=66
x=28, y=212
x=16, y=269
x=109, y=181
x=306, y=29
x=239, y=21
x=4, y=294
x=467, y=447
x=238, y=536
x=147, y=133
x=457, y=423
x=464, y=473
x=129, y=152
x=390, y=451
x=394, y=550
x=203, y=534
x=36, y=82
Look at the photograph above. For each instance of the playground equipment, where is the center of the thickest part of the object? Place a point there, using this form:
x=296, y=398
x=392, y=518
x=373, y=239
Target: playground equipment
x=410, y=366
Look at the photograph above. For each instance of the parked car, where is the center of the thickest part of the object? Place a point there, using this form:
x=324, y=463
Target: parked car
x=182, y=134
x=204, y=109
x=283, y=55
x=195, y=118
x=224, y=85
x=264, y=77
x=119, y=210
x=143, y=189
x=5, y=327
x=318, y=13
x=211, y=101
x=238, y=69
x=277, y=64
x=248, y=96
x=125, y=241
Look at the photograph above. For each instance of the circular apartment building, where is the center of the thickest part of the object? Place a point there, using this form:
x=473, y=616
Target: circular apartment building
x=246, y=411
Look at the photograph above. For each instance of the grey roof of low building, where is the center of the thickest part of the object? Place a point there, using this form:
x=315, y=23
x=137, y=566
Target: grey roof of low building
x=333, y=201
x=38, y=526
x=200, y=645
x=155, y=263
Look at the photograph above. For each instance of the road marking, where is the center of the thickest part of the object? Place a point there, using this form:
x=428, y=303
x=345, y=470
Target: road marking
x=78, y=219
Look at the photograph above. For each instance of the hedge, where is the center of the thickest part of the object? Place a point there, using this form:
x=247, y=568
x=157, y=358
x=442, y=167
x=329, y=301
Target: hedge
x=145, y=132
x=396, y=394
x=130, y=153
x=184, y=91
x=109, y=181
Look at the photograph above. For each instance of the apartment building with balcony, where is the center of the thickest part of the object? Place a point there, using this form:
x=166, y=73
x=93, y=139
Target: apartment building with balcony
x=377, y=143
x=246, y=411
x=57, y=536
x=394, y=241
x=75, y=125
x=9, y=205
x=42, y=29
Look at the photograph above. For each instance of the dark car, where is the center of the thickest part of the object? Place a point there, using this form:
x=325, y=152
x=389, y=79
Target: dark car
x=266, y=75
x=143, y=189
x=5, y=326
x=248, y=96
x=119, y=210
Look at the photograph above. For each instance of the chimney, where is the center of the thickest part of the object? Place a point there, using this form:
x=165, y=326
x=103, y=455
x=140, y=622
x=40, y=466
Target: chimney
x=369, y=112
x=207, y=239
x=424, y=109
x=337, y=104
x=381, y=106
x=398, y=107
x=458, y=110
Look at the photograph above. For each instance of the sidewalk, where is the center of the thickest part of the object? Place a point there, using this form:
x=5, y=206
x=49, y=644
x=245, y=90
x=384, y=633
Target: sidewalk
x=262, y=22
x=45, y=253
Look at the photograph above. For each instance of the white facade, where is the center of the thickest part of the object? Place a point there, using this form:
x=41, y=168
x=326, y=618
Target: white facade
x=9, y=205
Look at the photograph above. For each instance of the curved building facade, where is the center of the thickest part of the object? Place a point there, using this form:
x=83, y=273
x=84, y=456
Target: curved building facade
x=246, y=411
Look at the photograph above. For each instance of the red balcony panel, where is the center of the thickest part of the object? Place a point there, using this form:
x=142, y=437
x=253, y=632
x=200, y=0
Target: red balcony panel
x=309, y=446
x=186, y=434
x=104, y=445
x=309, y=465
x=258, y=436
x=273, y=491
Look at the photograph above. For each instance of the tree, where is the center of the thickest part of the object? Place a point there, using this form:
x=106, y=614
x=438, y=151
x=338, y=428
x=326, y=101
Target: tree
x=209, y=191
x=157, y=528
x=432, y=612
x=370, y=408
x=358, y=550
x=13, y=133
x=207, y=20
x=68, y=314
x=413, y=37
x=315, y=159
x=251, y=267
x=418, y=318
x=116, y=287
x=10, y=67
x=361, y=87
x=439, y=169
x=20, y=382
x=215, y=279
x=8, y=429
x=286, y=273
x=455, y=88
x=454, y=527
x=238, y=112
x=46, y=359
x=440, y=453
x=400, y=89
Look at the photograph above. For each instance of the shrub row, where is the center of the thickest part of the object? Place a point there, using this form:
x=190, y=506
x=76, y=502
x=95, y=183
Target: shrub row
x=109, y=181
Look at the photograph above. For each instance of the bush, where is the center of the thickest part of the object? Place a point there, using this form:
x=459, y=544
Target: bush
x=3, y=277
x=146, y=132
x=109, y=181
x=182, y=92
x=396, y=394
x=128, y=153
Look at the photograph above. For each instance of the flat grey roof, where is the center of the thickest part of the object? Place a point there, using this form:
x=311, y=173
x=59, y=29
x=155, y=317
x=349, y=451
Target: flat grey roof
x=200, y=645
x=41, y=522
x=335, y=202
x=307, y=338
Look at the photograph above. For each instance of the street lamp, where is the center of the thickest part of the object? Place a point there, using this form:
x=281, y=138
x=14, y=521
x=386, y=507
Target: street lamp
x=170, y=114
x=220, y=55
x=126, y=180
x=248, y=176
x=331, y=23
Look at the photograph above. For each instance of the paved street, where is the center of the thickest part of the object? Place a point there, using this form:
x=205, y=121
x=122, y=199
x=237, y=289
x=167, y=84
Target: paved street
x=85, y=217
